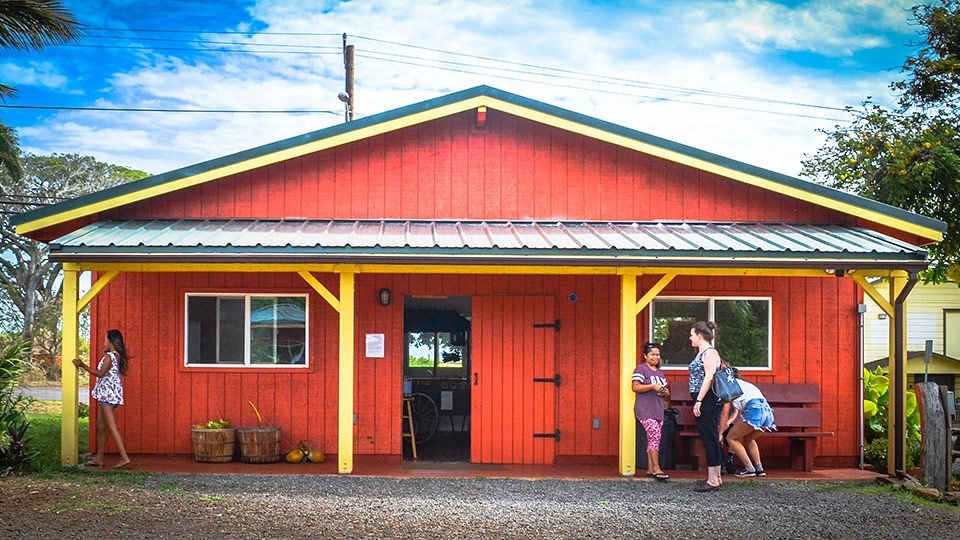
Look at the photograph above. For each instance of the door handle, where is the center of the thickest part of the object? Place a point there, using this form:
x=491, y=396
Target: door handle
x=475, y=380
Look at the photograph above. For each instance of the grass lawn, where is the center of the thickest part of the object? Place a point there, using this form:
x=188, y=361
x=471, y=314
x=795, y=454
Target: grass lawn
x=44, y=434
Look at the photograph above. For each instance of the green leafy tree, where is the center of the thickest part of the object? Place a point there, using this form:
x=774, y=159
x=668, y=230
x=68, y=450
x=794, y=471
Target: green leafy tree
x=933, y=75
x=909, y=158
x=29, y=279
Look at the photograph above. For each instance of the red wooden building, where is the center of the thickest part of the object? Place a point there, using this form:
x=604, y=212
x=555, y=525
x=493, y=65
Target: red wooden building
x=503, y=255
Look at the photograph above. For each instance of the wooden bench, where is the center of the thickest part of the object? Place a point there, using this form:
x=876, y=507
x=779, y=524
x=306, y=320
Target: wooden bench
x=795, y=409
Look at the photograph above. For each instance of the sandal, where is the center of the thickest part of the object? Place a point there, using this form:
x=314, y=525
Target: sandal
x=663, y=477
x=706, y=487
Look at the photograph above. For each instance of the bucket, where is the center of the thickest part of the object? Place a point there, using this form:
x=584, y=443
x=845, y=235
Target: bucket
x=259, y=445
x=213, y=445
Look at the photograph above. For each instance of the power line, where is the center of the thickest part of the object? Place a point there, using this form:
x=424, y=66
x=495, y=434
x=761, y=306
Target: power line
x=679, y=89
x=225, y=32
x=194, y=49
x=152, y=110
x=556, y=72
x=528, y=74
x=336, y=50
x=592, y=79
x=613, y=92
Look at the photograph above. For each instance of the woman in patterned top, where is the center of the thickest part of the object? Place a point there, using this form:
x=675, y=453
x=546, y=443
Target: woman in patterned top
x=108, y=392
x=706, y=407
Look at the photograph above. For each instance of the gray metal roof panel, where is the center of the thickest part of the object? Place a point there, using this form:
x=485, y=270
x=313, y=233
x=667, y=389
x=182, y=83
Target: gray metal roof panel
x=186, y=238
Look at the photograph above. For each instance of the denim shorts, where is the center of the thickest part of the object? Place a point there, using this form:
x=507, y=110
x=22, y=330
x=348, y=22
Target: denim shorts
x=758, y=414
x=108, y=404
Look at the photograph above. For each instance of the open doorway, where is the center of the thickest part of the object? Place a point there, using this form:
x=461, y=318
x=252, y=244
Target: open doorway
x=436, y=367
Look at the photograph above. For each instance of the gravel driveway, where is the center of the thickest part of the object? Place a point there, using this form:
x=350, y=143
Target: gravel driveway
x=104, y=505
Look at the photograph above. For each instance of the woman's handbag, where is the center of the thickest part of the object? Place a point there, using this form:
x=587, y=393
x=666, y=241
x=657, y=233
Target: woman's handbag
x=725, y=385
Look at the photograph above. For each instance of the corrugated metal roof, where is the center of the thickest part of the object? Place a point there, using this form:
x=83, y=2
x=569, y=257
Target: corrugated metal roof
x=658, y=243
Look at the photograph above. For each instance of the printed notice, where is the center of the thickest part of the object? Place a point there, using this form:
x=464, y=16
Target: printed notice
x=446, y=400
x=375, y=345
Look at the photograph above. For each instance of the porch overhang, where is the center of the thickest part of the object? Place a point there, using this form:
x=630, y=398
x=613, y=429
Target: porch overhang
x=350, y=247
x=668, y=245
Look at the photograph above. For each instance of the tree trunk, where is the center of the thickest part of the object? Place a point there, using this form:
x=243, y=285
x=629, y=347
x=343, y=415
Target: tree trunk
x=934, y=436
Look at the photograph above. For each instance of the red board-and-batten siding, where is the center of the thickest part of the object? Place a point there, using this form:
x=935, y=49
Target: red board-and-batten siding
x=513, y=169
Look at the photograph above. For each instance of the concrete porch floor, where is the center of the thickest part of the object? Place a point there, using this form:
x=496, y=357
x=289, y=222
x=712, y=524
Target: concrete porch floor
x=187, y=464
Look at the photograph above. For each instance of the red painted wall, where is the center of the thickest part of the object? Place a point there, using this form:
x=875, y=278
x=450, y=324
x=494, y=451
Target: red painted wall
x=514, y=169
x=163, y=399
x=447, y=169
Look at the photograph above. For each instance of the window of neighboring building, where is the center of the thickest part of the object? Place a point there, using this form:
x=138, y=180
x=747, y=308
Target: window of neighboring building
x=435, y=351
x=743, y=329
x=246, y=330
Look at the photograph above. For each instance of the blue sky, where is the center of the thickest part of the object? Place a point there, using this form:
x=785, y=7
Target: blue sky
x=749, y=79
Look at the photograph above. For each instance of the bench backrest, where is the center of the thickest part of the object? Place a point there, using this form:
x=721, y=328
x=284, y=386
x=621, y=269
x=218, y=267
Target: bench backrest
x=776, y=393
x=784, y=417
x=791, y=404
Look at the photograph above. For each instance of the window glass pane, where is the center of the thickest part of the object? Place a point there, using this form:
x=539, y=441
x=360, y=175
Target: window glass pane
x=277, y=330
x=672, y=321
x=201, y=330
x=450, y=356
x=230, y=332
x=743, y=331
x=420, y=349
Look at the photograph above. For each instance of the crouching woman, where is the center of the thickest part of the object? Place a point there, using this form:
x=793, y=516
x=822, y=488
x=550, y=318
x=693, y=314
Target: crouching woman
x=755, y=418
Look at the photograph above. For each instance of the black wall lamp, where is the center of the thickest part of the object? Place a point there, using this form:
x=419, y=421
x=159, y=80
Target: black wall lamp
x=384, y=297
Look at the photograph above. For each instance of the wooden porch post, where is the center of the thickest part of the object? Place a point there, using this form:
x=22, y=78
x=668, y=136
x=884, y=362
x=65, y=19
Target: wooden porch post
x=628, y=362
x=345, y=399
x=69, y=427
x=900, y=288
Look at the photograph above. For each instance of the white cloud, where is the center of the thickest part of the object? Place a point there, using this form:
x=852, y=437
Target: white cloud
x=721, y=47
x=42, y=74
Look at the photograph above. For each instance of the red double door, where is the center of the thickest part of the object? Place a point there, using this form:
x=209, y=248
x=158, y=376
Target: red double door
x=515, y=380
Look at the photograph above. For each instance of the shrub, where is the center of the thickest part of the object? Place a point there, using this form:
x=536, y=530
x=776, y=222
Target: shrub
x=876, y=397
x=14, y=444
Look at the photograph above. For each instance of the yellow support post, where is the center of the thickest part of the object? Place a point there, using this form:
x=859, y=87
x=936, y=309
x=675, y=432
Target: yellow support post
x=69, y=427
x=628, y=363
x=345, y=411
x=896, y=414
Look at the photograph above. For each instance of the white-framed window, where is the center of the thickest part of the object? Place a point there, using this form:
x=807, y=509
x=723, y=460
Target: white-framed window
x=743, y=329
x=259, y=330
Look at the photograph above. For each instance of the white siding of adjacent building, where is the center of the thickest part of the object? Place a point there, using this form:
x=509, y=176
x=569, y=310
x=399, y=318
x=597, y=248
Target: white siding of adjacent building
x=933, y=312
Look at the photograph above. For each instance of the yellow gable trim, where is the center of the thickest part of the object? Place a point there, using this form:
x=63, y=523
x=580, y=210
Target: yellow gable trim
x=460, y=106
x=683, y=159
x=254, y=163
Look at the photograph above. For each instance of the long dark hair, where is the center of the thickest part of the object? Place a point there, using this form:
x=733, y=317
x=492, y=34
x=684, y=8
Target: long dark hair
x=116, y=339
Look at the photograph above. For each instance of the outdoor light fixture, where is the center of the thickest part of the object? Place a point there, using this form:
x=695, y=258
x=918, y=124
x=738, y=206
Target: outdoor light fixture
x=384, y=297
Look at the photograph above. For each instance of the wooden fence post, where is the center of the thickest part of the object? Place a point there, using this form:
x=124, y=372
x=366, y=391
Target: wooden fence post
x=935, y=448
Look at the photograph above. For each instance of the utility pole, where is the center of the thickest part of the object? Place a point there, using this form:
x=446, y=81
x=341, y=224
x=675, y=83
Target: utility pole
x=348, y=68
